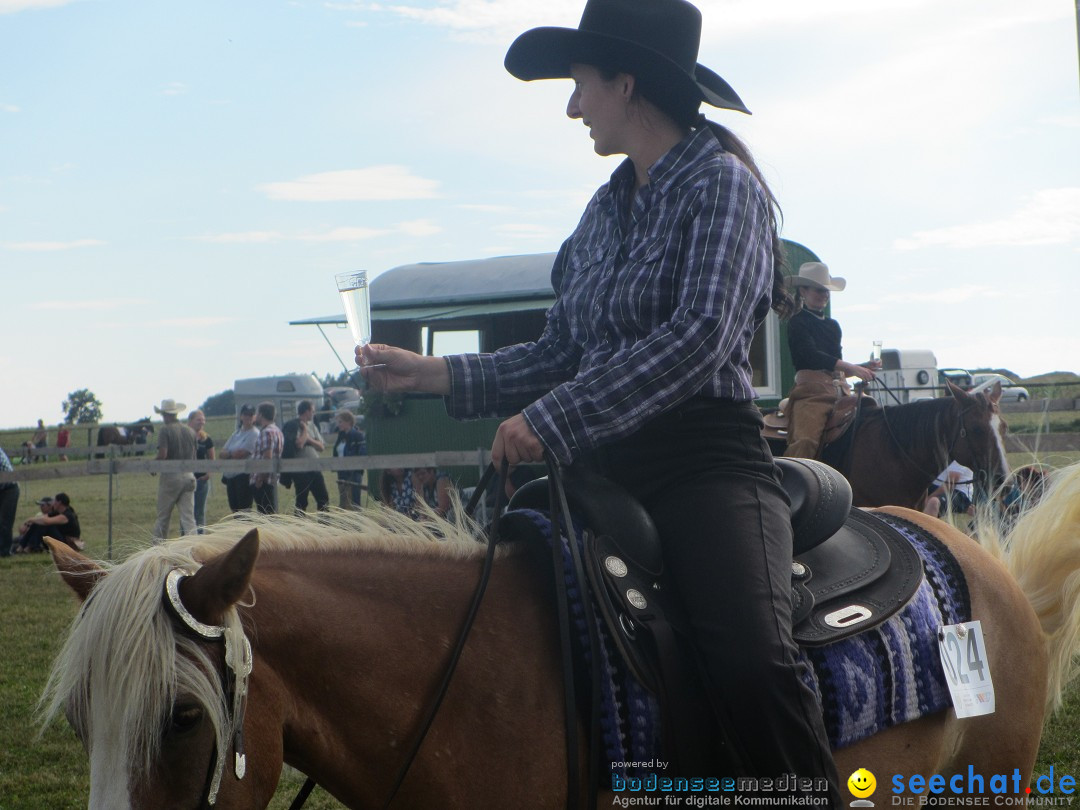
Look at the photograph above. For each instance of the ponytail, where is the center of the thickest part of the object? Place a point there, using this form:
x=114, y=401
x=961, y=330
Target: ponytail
x=783, y=302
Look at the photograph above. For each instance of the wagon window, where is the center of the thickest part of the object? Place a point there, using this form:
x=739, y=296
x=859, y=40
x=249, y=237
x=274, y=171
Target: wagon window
x=444, y=342
x=765, y=358
x=285, y=387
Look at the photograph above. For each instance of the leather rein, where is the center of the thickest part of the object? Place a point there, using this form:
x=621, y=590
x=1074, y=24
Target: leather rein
x=559, y=512
x=961, y=433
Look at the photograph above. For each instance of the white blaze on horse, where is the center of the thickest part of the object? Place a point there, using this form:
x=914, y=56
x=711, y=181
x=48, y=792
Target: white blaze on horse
x=351, y=623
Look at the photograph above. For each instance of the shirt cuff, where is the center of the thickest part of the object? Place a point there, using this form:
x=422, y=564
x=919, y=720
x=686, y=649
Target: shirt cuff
x=473, y=389
x=552, y=418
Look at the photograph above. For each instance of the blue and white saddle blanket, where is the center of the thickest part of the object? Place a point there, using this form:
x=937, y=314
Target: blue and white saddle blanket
x=884, y=676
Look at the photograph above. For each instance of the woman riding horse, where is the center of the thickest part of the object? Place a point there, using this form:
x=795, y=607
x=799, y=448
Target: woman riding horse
x=642, y=371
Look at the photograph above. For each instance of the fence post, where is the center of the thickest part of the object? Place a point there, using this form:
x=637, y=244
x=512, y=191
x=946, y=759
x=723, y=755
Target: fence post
x=112, y=472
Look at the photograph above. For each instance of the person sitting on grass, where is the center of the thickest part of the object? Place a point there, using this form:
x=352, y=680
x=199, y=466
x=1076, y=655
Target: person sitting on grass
x=57, y=520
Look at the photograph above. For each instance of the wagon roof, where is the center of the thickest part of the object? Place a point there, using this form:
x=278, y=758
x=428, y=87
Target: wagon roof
x=438, y=289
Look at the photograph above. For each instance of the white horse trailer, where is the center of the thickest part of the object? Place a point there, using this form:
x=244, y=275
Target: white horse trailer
x=285, y=391
x=907, y=375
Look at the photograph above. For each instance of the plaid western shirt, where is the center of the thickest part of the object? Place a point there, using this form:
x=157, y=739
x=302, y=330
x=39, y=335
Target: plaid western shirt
x=270, y=443
x=658, y=295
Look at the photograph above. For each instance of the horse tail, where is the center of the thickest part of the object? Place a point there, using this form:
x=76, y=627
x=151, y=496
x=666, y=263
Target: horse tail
x=1042, y=551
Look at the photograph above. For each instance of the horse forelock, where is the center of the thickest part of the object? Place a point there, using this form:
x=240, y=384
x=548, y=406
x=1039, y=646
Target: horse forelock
x=124, y=664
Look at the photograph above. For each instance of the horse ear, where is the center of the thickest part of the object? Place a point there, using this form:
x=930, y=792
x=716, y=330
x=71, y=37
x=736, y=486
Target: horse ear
x=221, y=582
x=995, y=393
x=957, y=392
x=80, y=573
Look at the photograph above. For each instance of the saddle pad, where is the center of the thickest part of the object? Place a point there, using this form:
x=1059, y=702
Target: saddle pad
x=629, y=713
x=882, y=677
x=892, y=674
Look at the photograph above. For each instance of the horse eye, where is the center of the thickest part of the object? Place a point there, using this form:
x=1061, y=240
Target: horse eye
x=185, y=718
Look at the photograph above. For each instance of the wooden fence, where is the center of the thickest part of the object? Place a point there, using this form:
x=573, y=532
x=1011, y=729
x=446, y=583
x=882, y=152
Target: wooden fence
x=115, y=465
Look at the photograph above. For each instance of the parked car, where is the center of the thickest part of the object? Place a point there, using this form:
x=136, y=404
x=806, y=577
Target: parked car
x=957, y=376
x=1010, y=391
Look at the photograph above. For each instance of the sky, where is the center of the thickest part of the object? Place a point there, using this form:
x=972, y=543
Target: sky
x=178, y=181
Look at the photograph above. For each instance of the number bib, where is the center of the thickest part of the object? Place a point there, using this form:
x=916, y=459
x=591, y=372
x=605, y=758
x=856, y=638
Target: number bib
x=963, y=656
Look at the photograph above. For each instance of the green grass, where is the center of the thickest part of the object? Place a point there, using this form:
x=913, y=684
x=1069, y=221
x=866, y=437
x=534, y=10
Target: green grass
x=51, y=772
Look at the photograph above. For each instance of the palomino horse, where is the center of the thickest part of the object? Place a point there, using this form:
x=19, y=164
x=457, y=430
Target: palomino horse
x=350, y=623
x=898, y=450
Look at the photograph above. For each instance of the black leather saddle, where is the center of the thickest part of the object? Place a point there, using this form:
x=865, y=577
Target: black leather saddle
x=850, y=571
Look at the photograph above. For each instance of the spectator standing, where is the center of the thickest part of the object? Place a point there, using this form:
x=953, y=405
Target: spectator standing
x=303, y=440
x=204, y=449
x=39, y=440
x=269, y=446
x=63, y=439
x=241, y=445
x=9, y=502
x=350, y=442
x=176, y=441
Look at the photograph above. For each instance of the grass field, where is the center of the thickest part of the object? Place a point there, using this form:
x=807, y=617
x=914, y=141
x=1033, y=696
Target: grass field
x=51, y=772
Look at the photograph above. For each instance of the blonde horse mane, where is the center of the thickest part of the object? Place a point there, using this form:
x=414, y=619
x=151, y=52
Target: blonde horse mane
x=123, y=648
x=1042, y=551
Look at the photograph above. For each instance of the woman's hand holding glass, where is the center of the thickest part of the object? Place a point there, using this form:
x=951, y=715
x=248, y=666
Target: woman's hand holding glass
x=393, y=370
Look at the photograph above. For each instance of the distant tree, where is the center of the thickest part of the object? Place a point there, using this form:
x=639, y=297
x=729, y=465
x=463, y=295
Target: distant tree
x=341, y=378
x=223, y=404
x=349, y=379
x=81, y=407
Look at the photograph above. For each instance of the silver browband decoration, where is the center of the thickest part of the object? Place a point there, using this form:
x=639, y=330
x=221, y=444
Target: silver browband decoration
x=172, y=589
x=240, y=665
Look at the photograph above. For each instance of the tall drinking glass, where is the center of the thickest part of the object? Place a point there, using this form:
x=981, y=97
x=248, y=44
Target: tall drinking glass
x=356, y=298
x=875, y=353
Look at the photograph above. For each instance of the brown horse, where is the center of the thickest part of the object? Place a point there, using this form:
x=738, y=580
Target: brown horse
x=124, y=435
x=898, y=450
x=350, y=623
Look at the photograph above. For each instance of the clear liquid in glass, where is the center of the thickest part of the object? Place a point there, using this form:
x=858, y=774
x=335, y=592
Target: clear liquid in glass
x=356, y=299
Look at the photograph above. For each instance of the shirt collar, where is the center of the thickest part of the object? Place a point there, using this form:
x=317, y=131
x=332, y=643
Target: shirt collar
x=670, y=168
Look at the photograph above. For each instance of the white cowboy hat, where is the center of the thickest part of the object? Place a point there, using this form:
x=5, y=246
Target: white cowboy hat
x=170, y=406
x=816, y=274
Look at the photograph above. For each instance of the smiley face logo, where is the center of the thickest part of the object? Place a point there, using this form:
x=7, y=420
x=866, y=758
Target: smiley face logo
x=862, y=783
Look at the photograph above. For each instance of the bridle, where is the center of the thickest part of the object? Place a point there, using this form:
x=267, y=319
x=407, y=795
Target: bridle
x=961, y=433
x=238, y=665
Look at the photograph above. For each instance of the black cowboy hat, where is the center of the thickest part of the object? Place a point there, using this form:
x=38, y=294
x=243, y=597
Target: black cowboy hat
x=651, y=39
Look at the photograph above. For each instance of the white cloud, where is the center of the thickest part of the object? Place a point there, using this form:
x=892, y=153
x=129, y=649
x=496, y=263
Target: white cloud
x=486, y=209
x=419, y=227
x=196, y=322
x=244, y=237
x=343, y=235
x=370, y=184
x=196, y=343
x=416, y=228
x=948, y=295
x=9, y=108
x=524, y=230
x=51, y=246
x=175, y=89
x=11, y=6
x=103, y=303
x=1048, y=217
x=491, y=20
